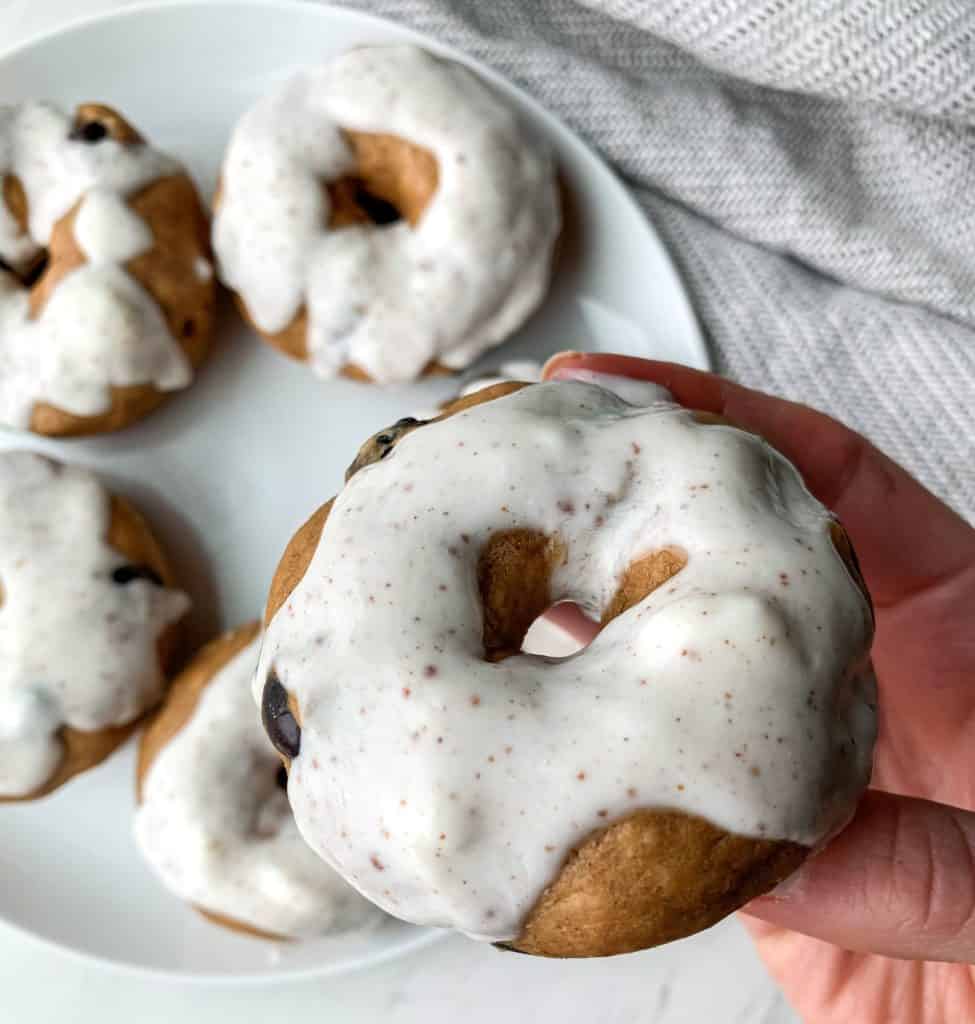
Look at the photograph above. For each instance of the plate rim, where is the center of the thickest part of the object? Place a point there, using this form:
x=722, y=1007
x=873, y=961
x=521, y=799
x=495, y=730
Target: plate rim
x=424, y=937
x=691, y=332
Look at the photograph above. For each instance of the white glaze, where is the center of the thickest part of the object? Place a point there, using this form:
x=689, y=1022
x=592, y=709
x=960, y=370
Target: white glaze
x=76, y=648
x=218, y=830
x=100, y=328
x=448, y=789
x=388, y=299
x=108, y=230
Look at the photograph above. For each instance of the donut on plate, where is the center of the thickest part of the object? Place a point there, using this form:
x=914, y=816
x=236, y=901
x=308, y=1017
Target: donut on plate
x=718, y=728
x=106, y=285
x=213, y=819
x=89, y=623
x=385, y=216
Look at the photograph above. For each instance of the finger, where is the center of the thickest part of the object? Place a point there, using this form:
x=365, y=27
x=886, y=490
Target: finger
x=571, y=618
x=899, y=881
x=880, y=504
x=826, y=984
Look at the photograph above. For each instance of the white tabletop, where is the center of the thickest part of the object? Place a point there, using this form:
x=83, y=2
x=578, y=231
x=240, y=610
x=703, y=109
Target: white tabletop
x=714, y=977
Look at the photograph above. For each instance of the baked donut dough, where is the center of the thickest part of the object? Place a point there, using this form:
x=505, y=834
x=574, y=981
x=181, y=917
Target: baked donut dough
x=106, y=284
x=213, y=820
x=718, y=728
x=385, y=216
x=89, y=623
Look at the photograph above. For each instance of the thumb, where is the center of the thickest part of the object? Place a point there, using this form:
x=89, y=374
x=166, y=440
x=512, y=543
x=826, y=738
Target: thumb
x=899, y=881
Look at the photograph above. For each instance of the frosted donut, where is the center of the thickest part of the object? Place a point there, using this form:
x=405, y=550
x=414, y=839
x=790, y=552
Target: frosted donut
x=385, y=215
x=213, y=819
x=88, y=623
x=106, y=285
x=718, y=728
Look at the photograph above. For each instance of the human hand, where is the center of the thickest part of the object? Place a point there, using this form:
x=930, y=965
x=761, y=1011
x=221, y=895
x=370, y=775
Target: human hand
x=899, y=881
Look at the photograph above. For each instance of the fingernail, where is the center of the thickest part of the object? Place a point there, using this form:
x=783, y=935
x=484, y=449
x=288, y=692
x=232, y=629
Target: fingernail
x=558, y=358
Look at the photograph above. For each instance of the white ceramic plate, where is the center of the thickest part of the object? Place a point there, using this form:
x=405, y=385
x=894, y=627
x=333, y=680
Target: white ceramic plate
x=227, y=471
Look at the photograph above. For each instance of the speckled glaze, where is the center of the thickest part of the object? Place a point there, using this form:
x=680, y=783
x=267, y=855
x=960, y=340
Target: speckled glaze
x=217, y=829
x=76, y=647
x=100, y=328
x=449, y=789
x=389, y=300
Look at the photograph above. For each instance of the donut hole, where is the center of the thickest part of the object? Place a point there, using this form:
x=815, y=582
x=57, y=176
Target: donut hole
x=353, y=203
x=514, y=576
x=391, y=181
x=35, y=269
x=562, y=630
x=91, y=132
x=95, y=123
x=128, y=573
x=28, y=275
x=514, y=573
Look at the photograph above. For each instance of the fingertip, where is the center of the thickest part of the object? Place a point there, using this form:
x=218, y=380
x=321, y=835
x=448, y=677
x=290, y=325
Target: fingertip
x=571, y=619
x=757, y=928
x=896, y=881
x=560, y=361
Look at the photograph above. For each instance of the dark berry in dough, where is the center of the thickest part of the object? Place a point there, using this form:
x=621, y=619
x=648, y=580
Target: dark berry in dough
x=279, y=723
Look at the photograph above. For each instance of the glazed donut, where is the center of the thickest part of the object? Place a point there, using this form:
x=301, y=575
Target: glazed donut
x=106, y=286
x=718, y=728
x=89, y=623
x=213, y=819
x=385, y=216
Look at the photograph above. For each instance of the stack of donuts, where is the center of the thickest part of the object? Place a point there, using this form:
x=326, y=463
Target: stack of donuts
x=381, y=742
